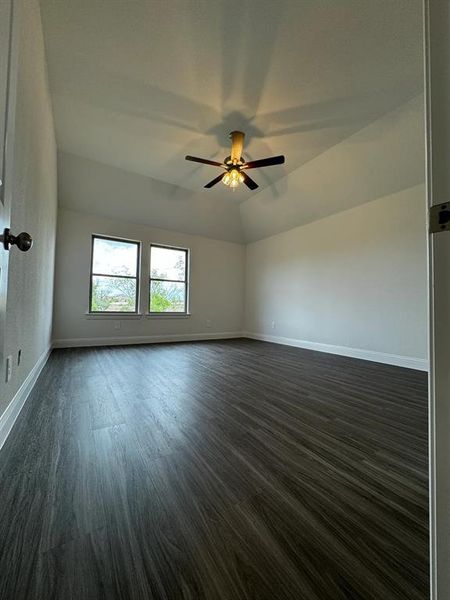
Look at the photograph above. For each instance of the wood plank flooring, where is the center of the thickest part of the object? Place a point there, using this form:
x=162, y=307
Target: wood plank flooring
x=226, y=470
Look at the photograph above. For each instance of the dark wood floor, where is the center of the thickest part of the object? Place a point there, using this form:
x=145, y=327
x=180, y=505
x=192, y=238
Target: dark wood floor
x=219, y=470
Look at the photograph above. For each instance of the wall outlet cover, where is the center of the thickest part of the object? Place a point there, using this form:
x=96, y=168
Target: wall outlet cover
x=9, y=368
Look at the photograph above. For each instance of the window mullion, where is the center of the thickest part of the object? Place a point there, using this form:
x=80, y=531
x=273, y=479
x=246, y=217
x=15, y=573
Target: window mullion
x=116, y=276
x=169, y=280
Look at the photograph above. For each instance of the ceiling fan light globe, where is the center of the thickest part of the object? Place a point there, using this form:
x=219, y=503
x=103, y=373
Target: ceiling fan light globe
x=233, y=178
x=235, y=175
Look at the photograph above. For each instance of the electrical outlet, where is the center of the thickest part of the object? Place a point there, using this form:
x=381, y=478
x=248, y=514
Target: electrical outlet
x=116, y=324
x=273, y=324
x=9, y=368
x=208, y=322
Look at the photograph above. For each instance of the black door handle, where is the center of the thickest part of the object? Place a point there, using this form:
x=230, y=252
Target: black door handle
x=23, y=241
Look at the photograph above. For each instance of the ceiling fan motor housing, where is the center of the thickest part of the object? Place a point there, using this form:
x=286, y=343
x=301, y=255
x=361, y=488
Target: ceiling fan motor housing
x=229, y=163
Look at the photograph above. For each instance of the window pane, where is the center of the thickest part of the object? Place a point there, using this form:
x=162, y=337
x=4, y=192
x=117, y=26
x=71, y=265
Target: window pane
x=113, y=294
x=167, y=296
x=112, y=257
x=168, y=263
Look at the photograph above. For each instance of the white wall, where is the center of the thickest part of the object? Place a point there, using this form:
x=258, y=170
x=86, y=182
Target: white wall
x=30, y=285
x=217, y=284
x=352, y=283
x=384, y=157
x=357, y=279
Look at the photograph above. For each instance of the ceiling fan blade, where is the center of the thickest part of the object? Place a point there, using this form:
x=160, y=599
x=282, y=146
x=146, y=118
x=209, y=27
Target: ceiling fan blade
x=205, y=161
x=214, y=181
x=237, y=145
x=264, y=162
x=249, y=182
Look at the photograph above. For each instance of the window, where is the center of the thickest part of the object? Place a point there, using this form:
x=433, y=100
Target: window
x=114, y=275
x=168, y=279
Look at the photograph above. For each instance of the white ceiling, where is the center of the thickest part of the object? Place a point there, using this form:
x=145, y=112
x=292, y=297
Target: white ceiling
x=385, y=157
x=138, y=84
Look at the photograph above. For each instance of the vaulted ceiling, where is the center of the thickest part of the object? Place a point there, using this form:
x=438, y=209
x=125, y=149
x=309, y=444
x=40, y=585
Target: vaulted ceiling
x=139, y=84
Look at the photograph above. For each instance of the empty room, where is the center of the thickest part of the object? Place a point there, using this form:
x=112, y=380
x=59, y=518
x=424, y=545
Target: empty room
x=224, y=299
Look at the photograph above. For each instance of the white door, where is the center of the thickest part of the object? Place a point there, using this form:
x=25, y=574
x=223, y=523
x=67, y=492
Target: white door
x=437, y=77
x=8, y=75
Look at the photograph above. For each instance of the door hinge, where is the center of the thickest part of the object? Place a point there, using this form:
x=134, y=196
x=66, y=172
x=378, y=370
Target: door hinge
x=439, y=218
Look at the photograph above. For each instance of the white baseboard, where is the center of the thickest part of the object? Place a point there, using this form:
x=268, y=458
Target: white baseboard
x=409, y=362
x=380, y=357
x=8, y=418
x=143, y=339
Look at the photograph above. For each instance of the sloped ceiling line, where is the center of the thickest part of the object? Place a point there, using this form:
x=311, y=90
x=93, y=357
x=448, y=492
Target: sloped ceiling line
x=137, y=86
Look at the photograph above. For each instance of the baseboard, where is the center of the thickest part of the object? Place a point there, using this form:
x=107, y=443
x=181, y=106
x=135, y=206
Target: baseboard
x=409, y=362
x=143, y=339
x=380, y=357
x=8, y=418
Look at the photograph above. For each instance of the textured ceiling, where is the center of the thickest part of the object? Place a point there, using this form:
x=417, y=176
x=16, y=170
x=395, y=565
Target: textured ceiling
x=138, y=84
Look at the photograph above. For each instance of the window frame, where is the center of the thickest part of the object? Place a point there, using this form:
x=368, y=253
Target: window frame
x=186, y=282
x=137, y=243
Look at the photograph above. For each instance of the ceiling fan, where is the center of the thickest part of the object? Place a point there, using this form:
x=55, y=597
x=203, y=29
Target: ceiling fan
x=235, y=166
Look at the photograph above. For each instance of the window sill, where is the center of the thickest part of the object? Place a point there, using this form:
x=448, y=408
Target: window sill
x=118, y=316
x=167, y=316
x=112, y=315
